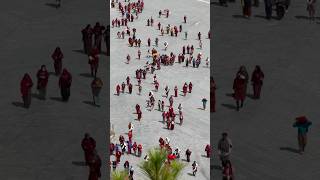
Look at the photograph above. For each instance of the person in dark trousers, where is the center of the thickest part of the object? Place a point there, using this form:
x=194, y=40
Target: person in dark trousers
x=268, y=8
x=302, y=124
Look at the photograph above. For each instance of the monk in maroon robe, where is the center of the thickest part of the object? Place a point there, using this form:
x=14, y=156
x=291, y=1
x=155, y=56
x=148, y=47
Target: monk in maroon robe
x=239, y=87
x=257, y=81
x=88, y=145
x=57, y=57
x=43, y=77
x=25, y=89
x=65, y=84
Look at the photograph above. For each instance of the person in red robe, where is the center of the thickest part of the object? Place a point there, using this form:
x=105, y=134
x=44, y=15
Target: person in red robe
x=239, y=87
x=139, y=115
x=94, y=62
x=112, y=147
x=65, y=84
x=175, y=91
x=130, y=135
x=190, y=87
x=185, y=89
x=208, y=150
x=95, y=167
x=118, y=156
x=57, y=57
x=43, y=77
x=139, y=150
x=88, y=145
x=98, y=32
x=25, y=89
x=212, y=95
x=257, y=81
x=123, y=86
x=134, y=147
x=137, y=108
x=130, y=88
x=118, y=89
x=87, y=38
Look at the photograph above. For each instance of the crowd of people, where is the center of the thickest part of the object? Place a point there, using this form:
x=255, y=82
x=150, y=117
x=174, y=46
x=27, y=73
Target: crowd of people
x=281, y=7
x=92, y=39
x=156, y=57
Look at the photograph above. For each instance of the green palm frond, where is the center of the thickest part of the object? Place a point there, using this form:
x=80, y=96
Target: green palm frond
x=157, y=169
x=119, y=175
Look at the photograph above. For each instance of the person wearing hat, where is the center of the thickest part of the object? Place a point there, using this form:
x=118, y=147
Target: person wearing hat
x=224, y=148
x=302, y=124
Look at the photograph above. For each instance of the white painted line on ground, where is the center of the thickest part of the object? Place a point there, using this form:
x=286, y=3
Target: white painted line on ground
x=204, y=1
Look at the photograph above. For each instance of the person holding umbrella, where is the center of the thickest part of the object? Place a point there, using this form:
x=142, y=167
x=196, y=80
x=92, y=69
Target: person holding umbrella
x=302, y=124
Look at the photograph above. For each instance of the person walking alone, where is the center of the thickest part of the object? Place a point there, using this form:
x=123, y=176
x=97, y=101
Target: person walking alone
x=96, y=86
x=302, y=124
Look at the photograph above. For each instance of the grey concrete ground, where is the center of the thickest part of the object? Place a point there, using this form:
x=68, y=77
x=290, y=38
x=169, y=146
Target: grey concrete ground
x=194, y=133
x=287, y=52
x=44, y=141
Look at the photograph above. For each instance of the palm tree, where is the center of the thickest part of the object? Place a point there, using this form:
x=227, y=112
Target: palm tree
x=156, y=168
x=120, y=175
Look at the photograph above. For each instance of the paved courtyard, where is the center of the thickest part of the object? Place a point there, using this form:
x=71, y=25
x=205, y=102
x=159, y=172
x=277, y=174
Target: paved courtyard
x=264, y=141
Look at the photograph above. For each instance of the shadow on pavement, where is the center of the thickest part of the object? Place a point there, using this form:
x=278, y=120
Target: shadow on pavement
x=87, y=75
x=79, y=51
x=238, y=16
x=52, y=74
x=250, y=96
x=217, y=167
x=229, y=94
x=79, y=163
x=18, y=104
x=89, y=103
x=230, y=106
x=290, y=149
x=52, y=5
x=34, y=95
x=56, y=99
x=190, y=174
